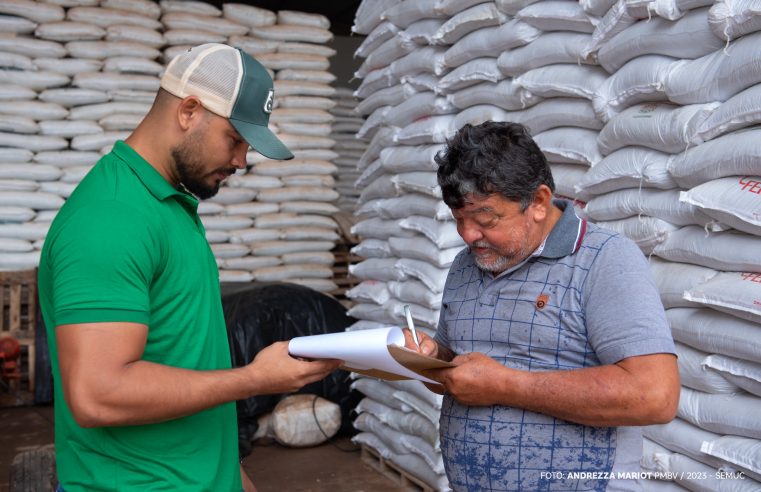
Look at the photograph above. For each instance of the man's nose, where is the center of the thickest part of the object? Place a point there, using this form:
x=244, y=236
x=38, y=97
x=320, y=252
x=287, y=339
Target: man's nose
x=470, y=234
x=239, y=157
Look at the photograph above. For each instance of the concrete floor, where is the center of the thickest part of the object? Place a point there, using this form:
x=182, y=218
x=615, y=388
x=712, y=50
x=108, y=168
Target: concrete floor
x=324, y=468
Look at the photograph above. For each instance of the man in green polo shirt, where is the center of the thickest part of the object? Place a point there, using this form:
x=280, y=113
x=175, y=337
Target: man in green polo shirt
x=129, y=291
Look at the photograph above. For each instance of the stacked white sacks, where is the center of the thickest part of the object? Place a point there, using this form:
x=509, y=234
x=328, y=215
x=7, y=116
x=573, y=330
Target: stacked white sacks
x=75, y=76
x=271, y=222
x=346, y=124
x=680, y=176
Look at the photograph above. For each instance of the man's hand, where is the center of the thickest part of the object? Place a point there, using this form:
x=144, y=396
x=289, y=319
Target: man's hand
x=274, y=371
x=428, y=345
x=477, y=380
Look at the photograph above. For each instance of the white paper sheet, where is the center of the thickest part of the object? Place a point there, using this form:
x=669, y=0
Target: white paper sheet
x=361, y=349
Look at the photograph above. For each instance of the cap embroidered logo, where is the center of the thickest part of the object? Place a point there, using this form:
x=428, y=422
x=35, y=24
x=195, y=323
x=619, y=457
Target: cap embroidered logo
x=268, y=103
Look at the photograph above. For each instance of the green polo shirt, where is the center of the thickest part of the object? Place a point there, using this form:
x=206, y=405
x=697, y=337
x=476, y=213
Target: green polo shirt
x=127, y=246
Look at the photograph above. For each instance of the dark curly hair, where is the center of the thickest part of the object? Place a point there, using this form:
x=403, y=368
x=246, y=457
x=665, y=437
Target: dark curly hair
x=493, y=157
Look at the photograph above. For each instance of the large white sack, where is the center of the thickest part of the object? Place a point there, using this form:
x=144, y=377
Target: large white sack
x=724, y=414
x=733, y=154
x=646, y=231
x=472, y=19
x=69, y=128
x=547, y=49
x=368, y=15
x=557, y=112
x=730, y=19
x=628, y=167
x=371, y=291
x=284, y=32
x=729, y=250
x=248, y=15
x=135, y=34
x=68, y=66
x=175, y=37
x=390, y=96
x=12, y=155
x=226, y=27
x=428, y=60
x=282, y=220
x=735, y=293
x=617, y=19
x=716, y=76
x=15, y=61
x=98, y=141
x=282, y=272
x=116, y=81
x=715, y=332
x=372, y=248
x=733, y=201
x=31, y=231
x=104, y=17
x=13, y=92
x=31, y=47
x=422, y=31
x=66, y=158
x=741, y=110
x=32, y=142
x=404, y=206
x=490, y=40
x=569, y=145
x=19, y=185
x=596, y=7
x=475, y=115
x=142, y=7
x=743, y=373
x=302, y=19
x=432, y=276
x=420, y=248
x=563, y=79
x=10, y=245
x=19, y=261
x=673, y=279
x=69, y=31
x=38, y=80
x=470, y=73
x=31, y=199
x=18, y=124
x=16, y=25
x=416, y=292
x=383, y=269
x=505, y=94
x=275, y=248
x=676, y=9
x=72, y=96
x=427, y=130
x=742, y=453
x=557, y=15
x=418, y=106
x=629, y=202
x=694, y=374
x=512, y=7
x=660, y=126
x=443, y=233
x=639, y=80
x=405, y=13
x=379, y=35
x=392, y=49
x=687, y=38
x=378, y=228
x=375, y=80
x=565, y=177
x=295, y=167
x=682, y=437
x=35, y=11
x=424, y=182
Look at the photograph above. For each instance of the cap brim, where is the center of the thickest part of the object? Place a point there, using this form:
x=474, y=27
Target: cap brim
x=262, y=140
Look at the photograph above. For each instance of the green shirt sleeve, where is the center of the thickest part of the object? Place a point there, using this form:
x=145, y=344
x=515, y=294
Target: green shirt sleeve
x=103, y=262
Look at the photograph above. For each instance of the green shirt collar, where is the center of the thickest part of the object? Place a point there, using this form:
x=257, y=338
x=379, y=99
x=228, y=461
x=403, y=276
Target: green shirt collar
x=149, y=176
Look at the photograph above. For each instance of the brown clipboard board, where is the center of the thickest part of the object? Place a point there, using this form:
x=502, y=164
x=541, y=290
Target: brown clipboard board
x=414, y=361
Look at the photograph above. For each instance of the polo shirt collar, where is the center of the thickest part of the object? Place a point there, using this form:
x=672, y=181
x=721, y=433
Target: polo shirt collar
x=148, y=175
x=566, y=236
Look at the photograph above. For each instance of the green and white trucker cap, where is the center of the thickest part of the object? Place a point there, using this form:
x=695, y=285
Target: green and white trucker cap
x=231, y=84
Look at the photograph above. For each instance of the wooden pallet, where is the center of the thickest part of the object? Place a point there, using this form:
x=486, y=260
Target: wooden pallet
x=392, y=471
x=341, y=276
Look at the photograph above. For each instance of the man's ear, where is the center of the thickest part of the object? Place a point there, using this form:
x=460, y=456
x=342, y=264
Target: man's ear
x=541, y=203
x=189, y=112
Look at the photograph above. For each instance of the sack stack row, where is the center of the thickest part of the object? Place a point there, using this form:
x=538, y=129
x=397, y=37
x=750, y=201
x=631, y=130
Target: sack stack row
x=76, y=78
x=345, y=127
x=680, y=176
x=73, y=80
x=645, y=112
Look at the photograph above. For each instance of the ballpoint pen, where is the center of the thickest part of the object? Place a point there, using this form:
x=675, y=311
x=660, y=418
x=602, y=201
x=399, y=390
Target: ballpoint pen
x=410, y=324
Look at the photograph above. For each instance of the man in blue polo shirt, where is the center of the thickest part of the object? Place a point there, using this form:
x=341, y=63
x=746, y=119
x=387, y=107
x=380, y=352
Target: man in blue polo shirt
x=556, y=328
x=129, y=289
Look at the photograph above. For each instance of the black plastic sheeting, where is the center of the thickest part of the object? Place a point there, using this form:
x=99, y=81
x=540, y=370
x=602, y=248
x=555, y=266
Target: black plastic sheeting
x=260, y=314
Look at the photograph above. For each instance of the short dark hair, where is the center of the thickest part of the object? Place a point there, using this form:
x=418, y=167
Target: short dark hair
x=493, y=157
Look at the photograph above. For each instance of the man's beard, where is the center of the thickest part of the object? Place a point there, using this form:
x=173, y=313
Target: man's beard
x=190, y=169
x=500, y=263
